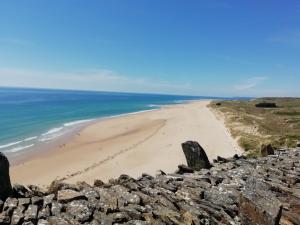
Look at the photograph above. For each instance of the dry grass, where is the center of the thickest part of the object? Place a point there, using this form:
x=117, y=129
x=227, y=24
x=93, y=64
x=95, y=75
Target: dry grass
x=254, y=126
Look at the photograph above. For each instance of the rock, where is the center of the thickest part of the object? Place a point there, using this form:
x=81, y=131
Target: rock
x=5, y=185
x=90, y=193
x=18, y=215
x=48, y=200
x=44, y=213
x=43, y=222
x=257, y=206
x=195, y=156
x=36, y=191
x=10, y=203
x=79, y=210
x=56, y=208
x=160, y=172
x=53, y=220
x=65, y=196
x=56, y=186
x=235, y=191
x=120, y=217
x=28, y=223
x=1, y=205
x=36, y=200
x=4, y=218
x=31, y=213
x=98, y=183
x=24, y=201
x=266, y=150
x=182, y=169
x=221, y=159
x=20, y=191
x=137, y=222
x=298, y=144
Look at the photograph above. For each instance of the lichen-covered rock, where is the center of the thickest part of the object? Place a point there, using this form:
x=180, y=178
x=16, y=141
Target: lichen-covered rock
x=10, y=203
x=235, y=191
x=257, y=206
x=56, y=208
x=18, y=215
x=24, y=201
x=31, y=213
x=48, y=200
x=4, y=218
x=79, y=210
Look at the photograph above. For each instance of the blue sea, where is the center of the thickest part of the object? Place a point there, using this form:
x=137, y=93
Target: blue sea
x=30, y=117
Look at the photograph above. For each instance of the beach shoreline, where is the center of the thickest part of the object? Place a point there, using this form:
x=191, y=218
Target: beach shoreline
x=128, y=144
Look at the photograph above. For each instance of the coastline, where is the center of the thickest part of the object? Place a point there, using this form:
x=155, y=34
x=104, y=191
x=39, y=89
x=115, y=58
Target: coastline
x=132, y=144
x=20, y=157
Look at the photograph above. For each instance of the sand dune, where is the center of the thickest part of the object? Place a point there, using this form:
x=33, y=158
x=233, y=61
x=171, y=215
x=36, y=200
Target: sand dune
x=132, y=144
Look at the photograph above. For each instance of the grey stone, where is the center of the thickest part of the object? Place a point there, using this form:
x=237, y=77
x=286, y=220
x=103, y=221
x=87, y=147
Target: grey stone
x=56, y=208
x=44, y=213
x=31, y=213
x=182, y=169
x=195, y=155
x=48, y=200
x=65, y=196
x=10, y=203
x=18, y=215
x=267, y=150
x=257, y=206
x=79, y=210
x=36, y=200
x=43, y=222
x=5, y=185
x=4, y=218
x=24, y=201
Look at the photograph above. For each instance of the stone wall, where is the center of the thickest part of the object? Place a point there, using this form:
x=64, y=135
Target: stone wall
x=232, y=191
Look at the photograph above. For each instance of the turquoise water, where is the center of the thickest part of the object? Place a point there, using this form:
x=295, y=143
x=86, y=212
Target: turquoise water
x=32, y=116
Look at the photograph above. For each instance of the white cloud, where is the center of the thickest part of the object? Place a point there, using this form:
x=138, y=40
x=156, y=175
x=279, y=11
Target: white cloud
x=250, y=83
x=90, y=79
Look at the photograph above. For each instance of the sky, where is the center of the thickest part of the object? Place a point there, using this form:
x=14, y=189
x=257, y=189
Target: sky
x=191, y=47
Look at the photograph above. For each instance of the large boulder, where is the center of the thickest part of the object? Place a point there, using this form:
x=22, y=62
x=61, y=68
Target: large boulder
x=5, y=185
x=266, y=150
x=195, y=155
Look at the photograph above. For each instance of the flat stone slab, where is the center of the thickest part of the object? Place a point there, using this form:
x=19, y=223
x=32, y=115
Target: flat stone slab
x=65, y=196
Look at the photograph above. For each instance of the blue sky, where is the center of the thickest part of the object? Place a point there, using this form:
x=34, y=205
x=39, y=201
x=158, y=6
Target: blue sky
x=199, y=47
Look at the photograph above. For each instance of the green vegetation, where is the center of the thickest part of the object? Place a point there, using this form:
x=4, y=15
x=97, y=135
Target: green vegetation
x=254, y=126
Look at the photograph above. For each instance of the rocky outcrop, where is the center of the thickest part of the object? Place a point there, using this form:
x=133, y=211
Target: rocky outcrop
x=266, y=150
x=195, y=155
x=237, y=190
x=5, y=185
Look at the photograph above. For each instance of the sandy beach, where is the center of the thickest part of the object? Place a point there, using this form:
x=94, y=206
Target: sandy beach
x=133, y=144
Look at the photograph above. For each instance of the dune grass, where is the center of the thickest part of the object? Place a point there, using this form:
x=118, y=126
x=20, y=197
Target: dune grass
x=253, y=126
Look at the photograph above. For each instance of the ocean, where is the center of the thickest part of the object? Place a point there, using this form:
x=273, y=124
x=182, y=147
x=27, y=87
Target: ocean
x=31, y=117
